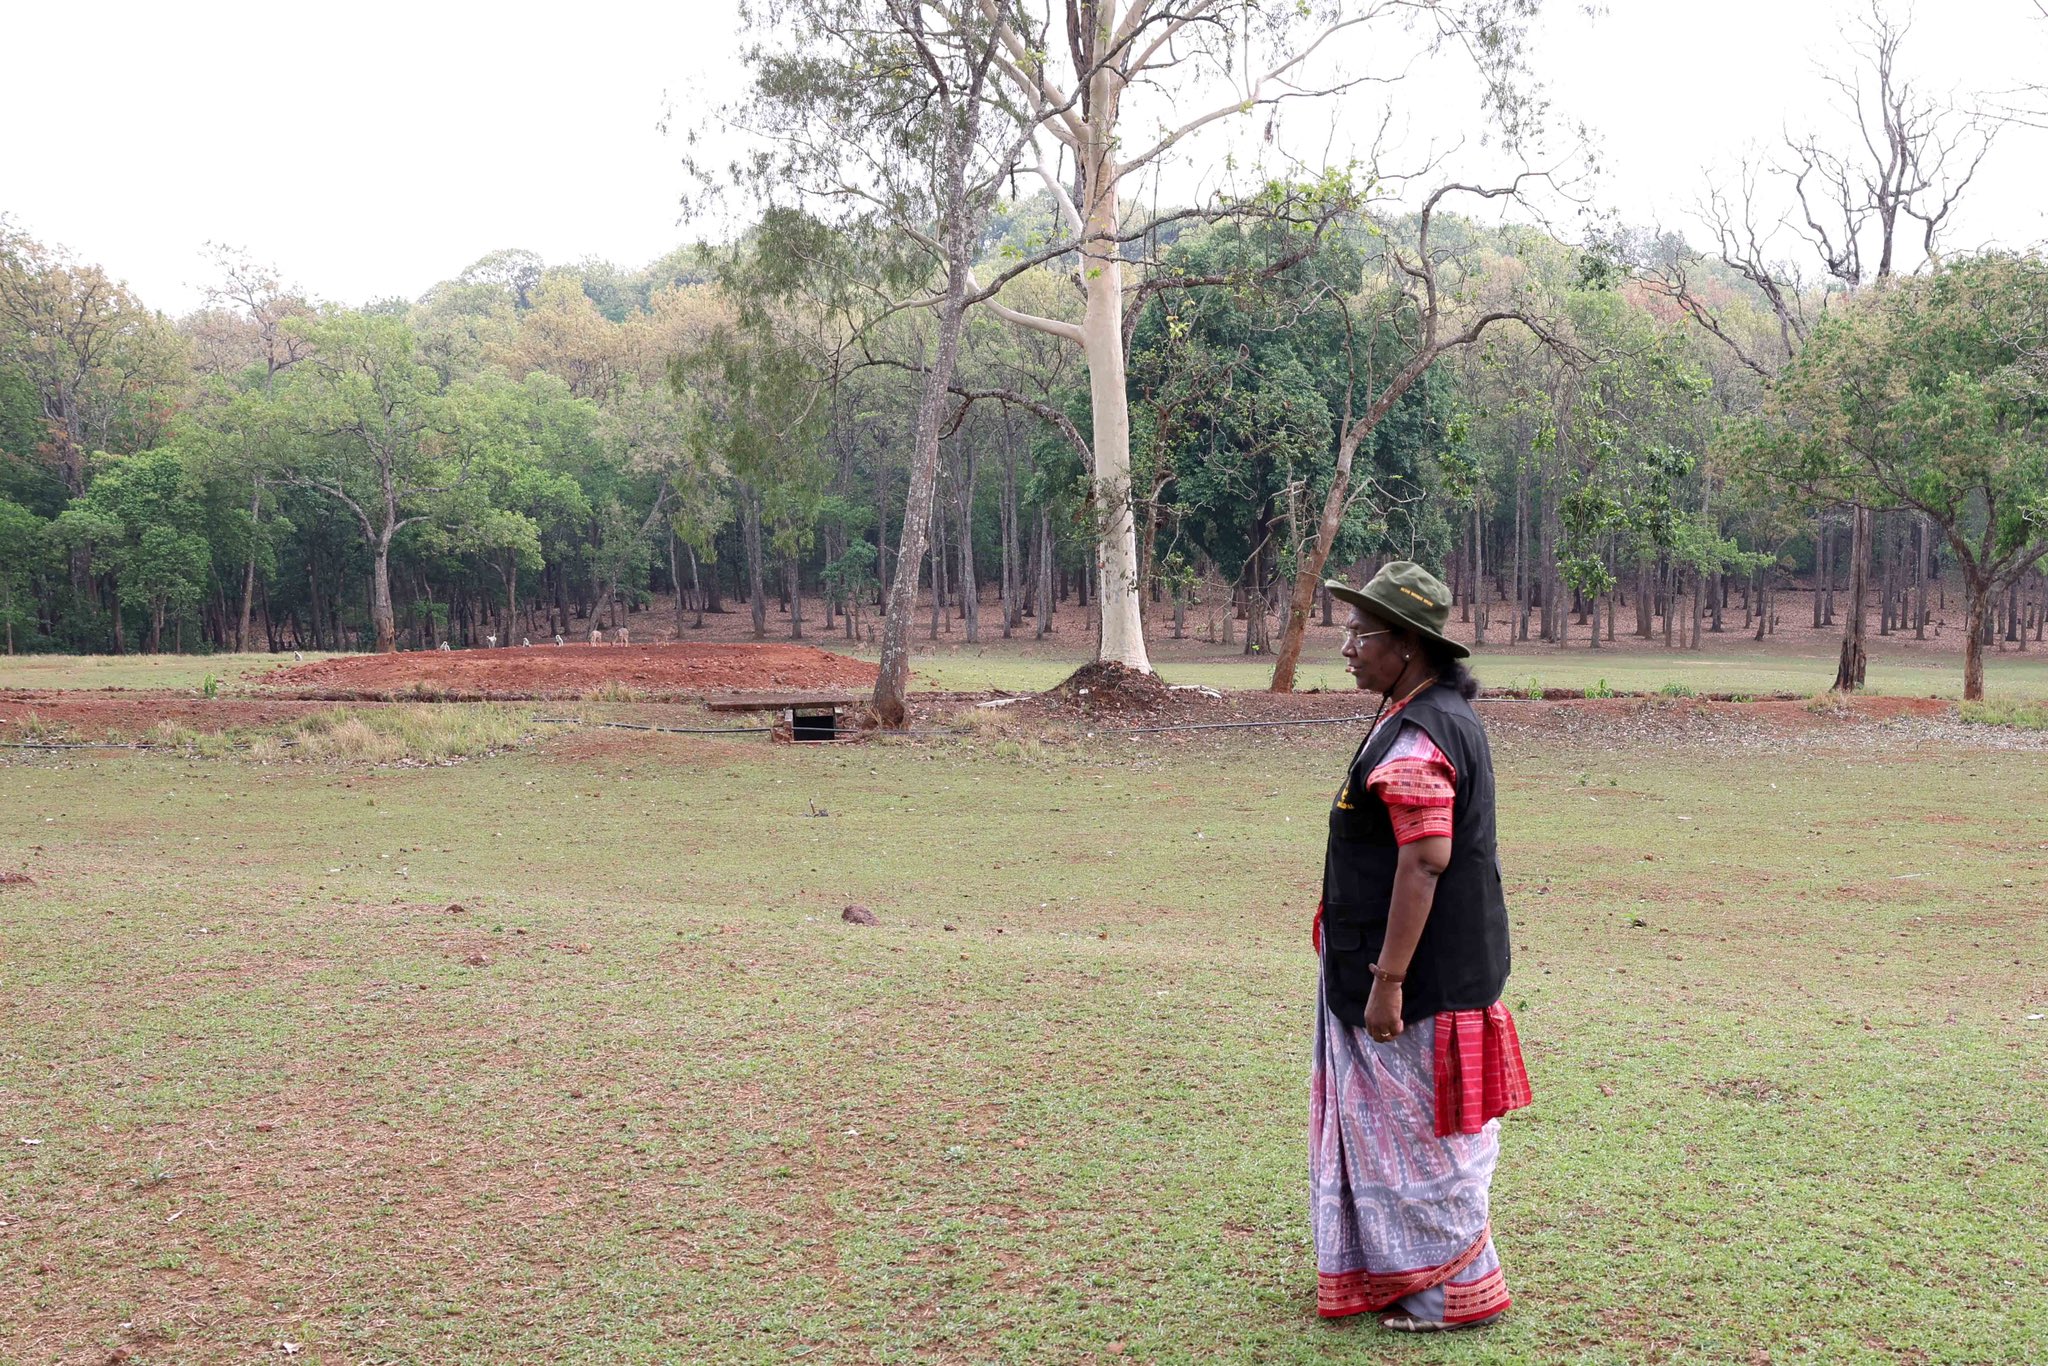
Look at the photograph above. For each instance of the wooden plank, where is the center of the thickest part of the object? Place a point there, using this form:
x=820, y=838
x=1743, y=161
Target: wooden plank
x=762, y=701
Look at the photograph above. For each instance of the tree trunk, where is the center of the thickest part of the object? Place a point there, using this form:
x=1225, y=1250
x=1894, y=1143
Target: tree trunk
x=1898, y=571
x=1480, y=597
x=249, y=571
x=757, y=596
x=1833, y=541
x=1668, y=590
x=1546, y=564
x=380, y=597
x=1102, y=341
x=935, y=567
x=969, y=589
x=1459, y=585
x=1521, y=631
x=1978, y=610
x=1920, y=548
x=313, y=618
x=1045, y=548
x=796, y=601
x=1819, y=568
x=885, y=565
x=893, y=681
x=1030, y=604
x=1008, y=508
x=1849, y=671
x=675, y=577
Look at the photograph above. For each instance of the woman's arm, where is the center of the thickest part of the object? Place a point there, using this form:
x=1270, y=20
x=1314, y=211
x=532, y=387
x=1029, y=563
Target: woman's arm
x=1422, y=862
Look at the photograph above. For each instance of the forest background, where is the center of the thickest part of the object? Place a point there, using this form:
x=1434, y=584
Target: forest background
x=1596, y=429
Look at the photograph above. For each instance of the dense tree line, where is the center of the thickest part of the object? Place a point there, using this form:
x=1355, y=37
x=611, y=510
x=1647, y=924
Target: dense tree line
x=937, y=403
x=528, y=451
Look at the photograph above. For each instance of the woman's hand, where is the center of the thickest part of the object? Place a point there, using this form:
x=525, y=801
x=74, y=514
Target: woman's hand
x=1383, y=1012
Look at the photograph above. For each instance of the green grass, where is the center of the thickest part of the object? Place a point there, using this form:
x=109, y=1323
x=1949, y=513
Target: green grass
x=2021, y=715
x=1728, y=668
x=565, y=1054
x=184, y=672
x=1744, y=671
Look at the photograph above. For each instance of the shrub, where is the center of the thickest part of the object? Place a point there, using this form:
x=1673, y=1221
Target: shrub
x=1676, y=689
x=1600, y=689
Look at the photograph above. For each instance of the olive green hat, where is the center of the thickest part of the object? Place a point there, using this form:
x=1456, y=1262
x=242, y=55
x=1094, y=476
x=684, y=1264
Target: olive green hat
x=1403, y=593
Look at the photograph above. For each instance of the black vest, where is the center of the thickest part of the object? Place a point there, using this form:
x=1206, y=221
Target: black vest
x=1461, y=961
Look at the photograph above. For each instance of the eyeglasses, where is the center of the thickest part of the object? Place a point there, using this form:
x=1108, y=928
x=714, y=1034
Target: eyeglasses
x=1353, y=637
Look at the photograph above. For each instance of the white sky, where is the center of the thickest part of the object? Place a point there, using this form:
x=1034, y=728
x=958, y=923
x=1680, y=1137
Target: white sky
x=374, y=149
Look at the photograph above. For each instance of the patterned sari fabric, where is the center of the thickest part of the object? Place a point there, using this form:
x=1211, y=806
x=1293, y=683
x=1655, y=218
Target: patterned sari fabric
x=1400, y=1215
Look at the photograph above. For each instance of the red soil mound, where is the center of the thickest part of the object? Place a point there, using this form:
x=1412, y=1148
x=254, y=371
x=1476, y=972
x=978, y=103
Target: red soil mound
x=665, y=671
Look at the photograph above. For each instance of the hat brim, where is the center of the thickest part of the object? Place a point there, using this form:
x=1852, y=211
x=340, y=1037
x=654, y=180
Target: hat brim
x=1388, y=611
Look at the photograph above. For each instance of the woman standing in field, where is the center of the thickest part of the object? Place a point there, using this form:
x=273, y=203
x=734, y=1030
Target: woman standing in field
x=1416, y=1057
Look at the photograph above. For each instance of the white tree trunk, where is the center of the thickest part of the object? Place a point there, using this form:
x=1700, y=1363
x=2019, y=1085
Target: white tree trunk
x=1102, y=341
x=1116, y=551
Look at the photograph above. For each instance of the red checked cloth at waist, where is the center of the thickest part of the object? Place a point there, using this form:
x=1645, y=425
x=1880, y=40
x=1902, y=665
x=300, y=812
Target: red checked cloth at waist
x=1479, y=1070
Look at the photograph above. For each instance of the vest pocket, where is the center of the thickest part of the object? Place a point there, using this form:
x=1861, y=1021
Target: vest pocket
x=1352, y=935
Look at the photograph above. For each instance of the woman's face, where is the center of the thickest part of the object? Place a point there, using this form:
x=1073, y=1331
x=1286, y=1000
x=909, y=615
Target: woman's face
x=1372, y=652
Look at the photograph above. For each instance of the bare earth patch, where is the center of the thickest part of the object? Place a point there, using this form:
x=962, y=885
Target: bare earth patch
x=675, y=672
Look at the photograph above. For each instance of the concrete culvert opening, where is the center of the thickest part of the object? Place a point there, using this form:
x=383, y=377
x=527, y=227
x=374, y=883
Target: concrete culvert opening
x=813, y=725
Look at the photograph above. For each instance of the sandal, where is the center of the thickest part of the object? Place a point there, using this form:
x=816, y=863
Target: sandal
x=1408, y=1323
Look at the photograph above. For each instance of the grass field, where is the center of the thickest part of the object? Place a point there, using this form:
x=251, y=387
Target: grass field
x=2013, y=677
x=134, y=671
x=565, y=1055
x=1732, y=667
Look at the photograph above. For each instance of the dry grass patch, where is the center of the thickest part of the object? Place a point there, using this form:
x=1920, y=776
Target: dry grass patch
x=428, y=734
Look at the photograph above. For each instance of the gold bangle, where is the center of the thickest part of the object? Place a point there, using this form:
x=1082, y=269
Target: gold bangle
x=1392, y=979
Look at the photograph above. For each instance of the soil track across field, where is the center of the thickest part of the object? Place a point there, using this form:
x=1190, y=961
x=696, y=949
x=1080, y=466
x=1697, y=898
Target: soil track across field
x=549, y=671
